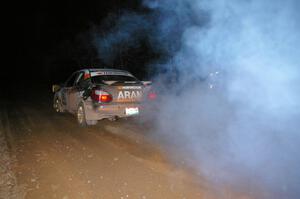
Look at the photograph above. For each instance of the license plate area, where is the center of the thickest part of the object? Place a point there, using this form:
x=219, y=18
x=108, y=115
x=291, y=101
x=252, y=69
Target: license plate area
x=132, y=111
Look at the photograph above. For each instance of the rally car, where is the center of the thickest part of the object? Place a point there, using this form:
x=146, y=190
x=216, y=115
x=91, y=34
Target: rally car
x=95, y=94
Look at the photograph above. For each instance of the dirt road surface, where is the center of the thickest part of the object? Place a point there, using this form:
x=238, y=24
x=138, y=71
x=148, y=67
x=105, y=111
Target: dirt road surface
x=46, y=155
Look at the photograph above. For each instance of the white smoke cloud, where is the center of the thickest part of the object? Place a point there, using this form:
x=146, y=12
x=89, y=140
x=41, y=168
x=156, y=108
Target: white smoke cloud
x=246, y=130
x=250, y=127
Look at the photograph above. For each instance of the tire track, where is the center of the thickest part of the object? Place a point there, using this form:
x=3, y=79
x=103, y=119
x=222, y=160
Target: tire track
x=9, y=187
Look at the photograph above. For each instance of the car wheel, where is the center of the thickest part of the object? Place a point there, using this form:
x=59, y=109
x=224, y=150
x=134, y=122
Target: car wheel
x=81, y=119
x=57, y=106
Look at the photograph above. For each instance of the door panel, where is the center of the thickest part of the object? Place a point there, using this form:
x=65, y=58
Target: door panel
x=74, y=95
x=73, y=99
x=64, y=97
x=68, y=90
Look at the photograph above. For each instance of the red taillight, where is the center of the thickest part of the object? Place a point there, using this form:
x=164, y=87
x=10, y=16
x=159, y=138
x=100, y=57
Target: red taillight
x=105, y=98
x=152, y=96
x=101, y=96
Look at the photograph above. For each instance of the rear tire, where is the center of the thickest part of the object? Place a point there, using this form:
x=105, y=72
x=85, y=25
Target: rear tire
x=81, y=117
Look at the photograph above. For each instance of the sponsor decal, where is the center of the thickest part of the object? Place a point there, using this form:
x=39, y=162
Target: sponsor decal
x=86, y=76
x=130, y=87
x=129, y=95
x=109, y=73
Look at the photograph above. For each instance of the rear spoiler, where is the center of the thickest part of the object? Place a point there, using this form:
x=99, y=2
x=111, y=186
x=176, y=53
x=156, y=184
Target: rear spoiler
x=147, y=83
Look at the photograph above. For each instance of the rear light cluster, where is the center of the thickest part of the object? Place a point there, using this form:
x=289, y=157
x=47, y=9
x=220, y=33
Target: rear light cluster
x=101, y=96
x=152, y=95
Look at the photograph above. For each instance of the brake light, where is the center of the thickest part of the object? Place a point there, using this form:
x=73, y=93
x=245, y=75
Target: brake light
x=101, y=96
x=152, y=96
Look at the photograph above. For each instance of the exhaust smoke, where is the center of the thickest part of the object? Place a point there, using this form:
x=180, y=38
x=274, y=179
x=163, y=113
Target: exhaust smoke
x=243, y=130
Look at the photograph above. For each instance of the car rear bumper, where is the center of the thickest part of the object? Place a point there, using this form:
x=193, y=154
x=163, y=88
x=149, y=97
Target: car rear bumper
x=101, y=111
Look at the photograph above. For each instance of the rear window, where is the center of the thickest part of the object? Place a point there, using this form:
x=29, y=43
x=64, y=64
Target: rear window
x=118, y=78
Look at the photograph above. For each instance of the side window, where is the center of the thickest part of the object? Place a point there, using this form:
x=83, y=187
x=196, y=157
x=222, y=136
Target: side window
x=83, y=82
x=70, y=82
x=79, y=78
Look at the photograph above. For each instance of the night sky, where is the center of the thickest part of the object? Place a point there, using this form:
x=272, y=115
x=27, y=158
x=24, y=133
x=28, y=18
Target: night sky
x=49, y=39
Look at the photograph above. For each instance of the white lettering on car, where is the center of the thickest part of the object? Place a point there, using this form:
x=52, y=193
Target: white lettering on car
x=120, y=96
x=129, y=95
x=131, y=87
x=133, y=95
x=139, y=94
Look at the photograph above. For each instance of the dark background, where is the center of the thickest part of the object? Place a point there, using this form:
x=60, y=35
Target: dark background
x=48, y=40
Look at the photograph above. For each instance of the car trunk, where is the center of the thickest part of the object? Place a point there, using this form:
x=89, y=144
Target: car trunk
x=125, y=92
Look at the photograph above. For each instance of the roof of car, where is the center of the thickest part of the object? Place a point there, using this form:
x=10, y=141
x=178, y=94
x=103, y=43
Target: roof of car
x=90, y=70
x=103, y=69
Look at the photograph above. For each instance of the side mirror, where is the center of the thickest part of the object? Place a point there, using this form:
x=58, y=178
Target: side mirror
x=55, y=88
